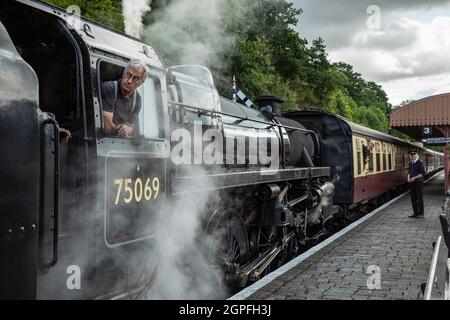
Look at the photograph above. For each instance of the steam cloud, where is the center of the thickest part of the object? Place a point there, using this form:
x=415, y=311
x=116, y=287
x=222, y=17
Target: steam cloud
x=184, y=271
x=191, y=32
x=133, y=11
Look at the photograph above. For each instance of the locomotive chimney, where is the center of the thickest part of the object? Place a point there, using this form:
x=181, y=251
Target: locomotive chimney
x=273, y=101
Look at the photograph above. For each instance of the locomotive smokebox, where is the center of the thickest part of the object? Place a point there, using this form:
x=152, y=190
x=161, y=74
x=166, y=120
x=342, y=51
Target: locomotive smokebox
x=272, y=101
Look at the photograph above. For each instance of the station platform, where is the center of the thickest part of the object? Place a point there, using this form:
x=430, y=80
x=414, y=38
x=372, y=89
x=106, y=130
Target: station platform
x=385, y=240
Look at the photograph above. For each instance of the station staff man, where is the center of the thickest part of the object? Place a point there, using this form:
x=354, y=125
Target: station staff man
x=416, y=173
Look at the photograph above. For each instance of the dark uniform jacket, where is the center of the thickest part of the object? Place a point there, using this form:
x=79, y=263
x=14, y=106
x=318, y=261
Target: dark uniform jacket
x=416, y=168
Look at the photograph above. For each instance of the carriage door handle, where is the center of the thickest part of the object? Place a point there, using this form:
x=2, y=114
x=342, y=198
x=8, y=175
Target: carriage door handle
x=55, y=152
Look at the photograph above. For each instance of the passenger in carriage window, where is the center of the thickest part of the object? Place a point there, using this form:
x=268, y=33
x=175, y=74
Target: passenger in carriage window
x=121, y=102
x=367, y=150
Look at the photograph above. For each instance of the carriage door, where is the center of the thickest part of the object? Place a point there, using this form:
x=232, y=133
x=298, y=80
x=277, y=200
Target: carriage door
x=134, y=169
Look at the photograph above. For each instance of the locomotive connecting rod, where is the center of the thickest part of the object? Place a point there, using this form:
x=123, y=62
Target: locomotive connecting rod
x=254, y=268
x=294, y=202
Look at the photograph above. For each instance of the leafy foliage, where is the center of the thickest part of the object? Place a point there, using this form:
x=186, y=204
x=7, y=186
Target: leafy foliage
x=107, y=12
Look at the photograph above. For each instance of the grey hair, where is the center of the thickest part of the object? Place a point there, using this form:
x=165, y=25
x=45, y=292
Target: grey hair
x=136, y=65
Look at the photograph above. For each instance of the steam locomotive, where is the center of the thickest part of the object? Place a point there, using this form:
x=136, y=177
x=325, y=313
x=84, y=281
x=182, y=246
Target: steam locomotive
x=99, y=203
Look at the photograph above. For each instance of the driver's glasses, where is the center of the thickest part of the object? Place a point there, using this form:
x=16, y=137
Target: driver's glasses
x=132, y=77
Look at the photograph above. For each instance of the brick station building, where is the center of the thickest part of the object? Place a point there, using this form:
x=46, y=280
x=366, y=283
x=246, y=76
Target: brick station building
x=428, y=118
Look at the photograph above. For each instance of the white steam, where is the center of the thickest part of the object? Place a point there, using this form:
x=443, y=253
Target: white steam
x=133, y=11
x=184, y=270
x=191, y=32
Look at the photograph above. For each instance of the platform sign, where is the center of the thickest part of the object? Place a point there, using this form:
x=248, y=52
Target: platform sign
x=439, y=140
x=427, y=131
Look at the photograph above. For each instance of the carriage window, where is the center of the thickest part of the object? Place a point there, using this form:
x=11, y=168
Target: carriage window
x=384, y=157
x=370, y=163
x=358, y=156
x=368, y=158
x=396, y=158
x=390, y=160
x=377, y=156
x=399, y=159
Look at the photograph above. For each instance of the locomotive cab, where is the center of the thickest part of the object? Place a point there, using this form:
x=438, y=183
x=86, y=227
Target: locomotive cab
x=76, y=219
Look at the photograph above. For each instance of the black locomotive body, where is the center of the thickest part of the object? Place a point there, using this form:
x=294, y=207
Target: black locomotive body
x=96, y=206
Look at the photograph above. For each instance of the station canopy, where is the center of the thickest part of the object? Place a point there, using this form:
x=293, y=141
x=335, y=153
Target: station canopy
x=427, y=120
x=431, y=112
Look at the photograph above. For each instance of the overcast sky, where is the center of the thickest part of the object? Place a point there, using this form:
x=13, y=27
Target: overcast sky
x=407, y=50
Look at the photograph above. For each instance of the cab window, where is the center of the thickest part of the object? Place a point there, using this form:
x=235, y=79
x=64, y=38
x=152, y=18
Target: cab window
x=148, y=116
x=148, y=124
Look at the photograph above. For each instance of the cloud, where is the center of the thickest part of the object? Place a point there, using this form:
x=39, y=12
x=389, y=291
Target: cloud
x=398, y=35
x=406, y=48
x=337, y=22
x=416, y=88
x=409, y=49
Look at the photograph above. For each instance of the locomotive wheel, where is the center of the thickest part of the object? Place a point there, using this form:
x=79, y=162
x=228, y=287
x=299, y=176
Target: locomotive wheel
x=229, y=247
x=290, y=250
x=261, y=238
x=266, y=237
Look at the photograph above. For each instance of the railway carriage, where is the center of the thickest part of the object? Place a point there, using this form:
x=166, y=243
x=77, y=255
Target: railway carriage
x=363, y=175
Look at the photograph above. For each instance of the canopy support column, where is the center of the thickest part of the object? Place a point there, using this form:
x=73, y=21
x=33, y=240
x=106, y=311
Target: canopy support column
x=446, y=161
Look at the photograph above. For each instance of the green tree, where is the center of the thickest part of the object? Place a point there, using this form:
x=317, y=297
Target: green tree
x=253, y=65
x=107, y=12
x=372, y=117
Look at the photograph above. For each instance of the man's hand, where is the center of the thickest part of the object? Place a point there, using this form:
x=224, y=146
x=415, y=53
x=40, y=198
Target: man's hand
x=108, y=124
x=124, y=130
x=67, y=134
